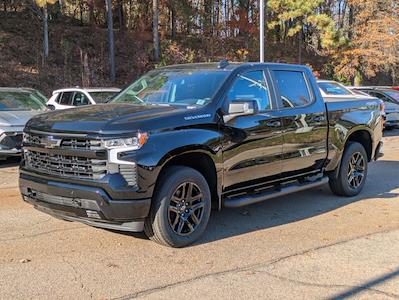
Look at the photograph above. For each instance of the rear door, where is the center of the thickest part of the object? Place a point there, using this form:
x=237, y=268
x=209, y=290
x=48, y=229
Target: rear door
x=252, y=147
x=304, y=120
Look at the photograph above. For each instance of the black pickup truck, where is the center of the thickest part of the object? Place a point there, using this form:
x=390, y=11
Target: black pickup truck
x=184, y=139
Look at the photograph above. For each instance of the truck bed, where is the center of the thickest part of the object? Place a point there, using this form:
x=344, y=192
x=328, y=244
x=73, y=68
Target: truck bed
x=348, y=114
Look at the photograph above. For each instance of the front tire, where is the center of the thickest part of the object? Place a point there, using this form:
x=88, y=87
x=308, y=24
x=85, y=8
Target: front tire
x=352, y=173
x=181, y=208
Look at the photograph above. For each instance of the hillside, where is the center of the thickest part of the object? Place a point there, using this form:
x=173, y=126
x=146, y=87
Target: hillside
x=78, y=54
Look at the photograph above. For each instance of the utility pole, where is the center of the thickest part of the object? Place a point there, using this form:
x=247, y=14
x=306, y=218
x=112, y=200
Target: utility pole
x=262, y=31
x=155, y=31
x=111, y=40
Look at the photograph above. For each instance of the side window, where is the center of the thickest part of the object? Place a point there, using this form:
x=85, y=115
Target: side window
x=251, y=86
x=66, y=98
x=80, y=99
x=293, y=88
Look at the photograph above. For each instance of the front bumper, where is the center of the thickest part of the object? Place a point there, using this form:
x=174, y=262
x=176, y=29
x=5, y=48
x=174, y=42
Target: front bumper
x=91, y=205
x=11, y=152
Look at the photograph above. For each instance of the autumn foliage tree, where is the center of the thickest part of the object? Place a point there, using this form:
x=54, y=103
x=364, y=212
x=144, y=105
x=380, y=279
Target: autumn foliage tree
x=372, y=41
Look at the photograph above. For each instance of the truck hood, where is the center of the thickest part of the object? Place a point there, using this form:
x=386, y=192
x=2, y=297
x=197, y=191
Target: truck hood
x=16, y=118
x=102, y=118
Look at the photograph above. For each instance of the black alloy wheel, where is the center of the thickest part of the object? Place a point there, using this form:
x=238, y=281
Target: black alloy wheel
x=180, y=209
x=186, y=208
x=356, y=170
x=351, y=175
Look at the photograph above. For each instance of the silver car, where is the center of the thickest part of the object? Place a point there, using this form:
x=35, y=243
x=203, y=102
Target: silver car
x=17, y=106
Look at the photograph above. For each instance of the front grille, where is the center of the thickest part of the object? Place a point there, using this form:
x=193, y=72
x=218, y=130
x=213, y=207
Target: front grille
x=79, y=143
x=65, y=165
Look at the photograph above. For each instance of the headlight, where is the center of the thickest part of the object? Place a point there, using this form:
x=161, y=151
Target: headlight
x=132, y=143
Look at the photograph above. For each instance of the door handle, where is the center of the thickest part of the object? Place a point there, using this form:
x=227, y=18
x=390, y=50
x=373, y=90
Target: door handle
x=273, y=124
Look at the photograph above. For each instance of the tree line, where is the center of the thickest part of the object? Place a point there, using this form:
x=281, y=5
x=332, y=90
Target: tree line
x=350, y=40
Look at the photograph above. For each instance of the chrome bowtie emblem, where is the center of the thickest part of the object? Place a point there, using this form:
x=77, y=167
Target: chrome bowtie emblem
x=51, y=141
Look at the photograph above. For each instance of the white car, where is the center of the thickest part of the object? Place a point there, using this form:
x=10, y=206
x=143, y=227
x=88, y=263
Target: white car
x=72, y=97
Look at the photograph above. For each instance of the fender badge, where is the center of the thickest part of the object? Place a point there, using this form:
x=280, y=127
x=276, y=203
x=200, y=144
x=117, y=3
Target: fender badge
x=196, y=117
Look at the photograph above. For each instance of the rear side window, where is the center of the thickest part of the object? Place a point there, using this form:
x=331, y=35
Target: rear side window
x=293, y=88
x=66, y=98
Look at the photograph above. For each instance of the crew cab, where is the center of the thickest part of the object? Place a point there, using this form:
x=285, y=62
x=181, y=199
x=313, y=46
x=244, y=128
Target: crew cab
x=184, y=139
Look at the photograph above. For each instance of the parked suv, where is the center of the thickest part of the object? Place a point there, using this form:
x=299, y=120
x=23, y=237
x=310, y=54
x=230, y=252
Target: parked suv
x=72, y=97
x=185, y=138
x=17, y=106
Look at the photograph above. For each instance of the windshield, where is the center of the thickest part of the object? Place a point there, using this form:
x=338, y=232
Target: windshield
x=20, y=101
x=393, y=94
x=333, y=88
x=175, y=87
x=102, y=97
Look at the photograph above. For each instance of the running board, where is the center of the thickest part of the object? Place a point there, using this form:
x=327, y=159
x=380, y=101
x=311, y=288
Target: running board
x=259, y=197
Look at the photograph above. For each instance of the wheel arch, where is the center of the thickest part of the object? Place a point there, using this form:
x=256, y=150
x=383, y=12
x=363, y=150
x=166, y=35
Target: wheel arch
x=363, y=137
x=198, y=158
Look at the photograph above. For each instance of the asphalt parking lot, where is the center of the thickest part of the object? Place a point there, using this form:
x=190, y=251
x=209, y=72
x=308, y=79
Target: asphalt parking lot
x=307, y=245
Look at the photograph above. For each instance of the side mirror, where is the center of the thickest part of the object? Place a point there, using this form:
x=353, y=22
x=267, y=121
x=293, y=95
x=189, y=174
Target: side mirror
x=51, y=107
x=241, y=108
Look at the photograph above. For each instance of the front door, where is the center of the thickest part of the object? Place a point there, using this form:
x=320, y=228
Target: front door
x=252, y=148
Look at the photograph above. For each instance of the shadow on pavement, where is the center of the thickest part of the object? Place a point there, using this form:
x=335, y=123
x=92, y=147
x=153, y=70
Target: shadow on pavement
x=381, y=181
x=367, y=286
x=295, y=207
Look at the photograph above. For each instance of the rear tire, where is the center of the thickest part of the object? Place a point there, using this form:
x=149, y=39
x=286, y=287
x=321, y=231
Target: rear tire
x=352, y=173
x=180, y=209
